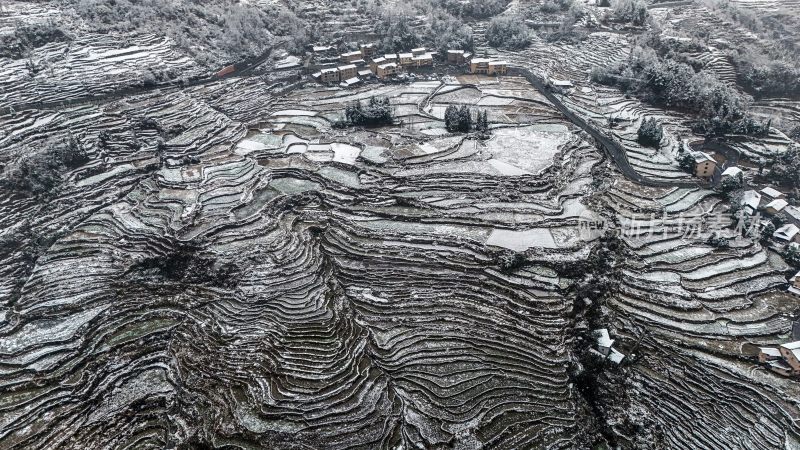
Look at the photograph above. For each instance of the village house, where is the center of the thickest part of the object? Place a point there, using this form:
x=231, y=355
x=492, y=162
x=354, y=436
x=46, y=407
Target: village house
x=347, y=72
x=455, y=57
x=359, y=63
x=423, y=60
x=386, y=70
x=406, y=59
x=366, y=73
x=750, y=201
x=775, y=206
x=479, y=66
x=787, y=233
x=704, y=165
x=791, y=353
x=794, y=288
x=373, y=65
x=391, y=57
x=732, y=173
x=329, y=75
x=367, y=50
x=498, y=67
x=349, y=57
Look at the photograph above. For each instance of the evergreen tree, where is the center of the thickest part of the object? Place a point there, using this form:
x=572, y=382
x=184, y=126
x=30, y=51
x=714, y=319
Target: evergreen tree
x=464, y=119
x=650, y=133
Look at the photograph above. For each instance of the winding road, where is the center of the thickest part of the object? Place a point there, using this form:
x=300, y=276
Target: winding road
x=613, y=148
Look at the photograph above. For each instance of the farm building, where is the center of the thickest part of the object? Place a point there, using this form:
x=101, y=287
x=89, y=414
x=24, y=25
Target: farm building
x=775, y=206
x=791, y=353
x=349, y=82
x=787, y=233
x=348, y=71
x=604, y=341
x=780, y=367
x=767, y=354
x=349, y=57
x=406, y=59
x=772, y=194
x=793, y=214
x=795, y=284
x=561, y=84
x=750, y=201
x=386, y=70
x=704, y=164
x=732, y=172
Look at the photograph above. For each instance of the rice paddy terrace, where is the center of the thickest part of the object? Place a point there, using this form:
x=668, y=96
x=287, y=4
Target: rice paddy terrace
x=228, y=269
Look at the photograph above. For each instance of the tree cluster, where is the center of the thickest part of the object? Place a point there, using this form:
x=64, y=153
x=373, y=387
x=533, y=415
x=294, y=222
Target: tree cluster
x=785, y=168
x=766, y=76
x=478, y=9
x=215, y=33
x=376, y=112
x=445, y=32
x=630, y=11
x=459, y=119
x=509, y=33
x=673, y=84
x=396, y=31
x=29, y=36
x=650, y=133
x=40, y=172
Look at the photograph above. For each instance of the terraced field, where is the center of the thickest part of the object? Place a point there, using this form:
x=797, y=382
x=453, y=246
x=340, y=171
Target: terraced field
x=226, y=267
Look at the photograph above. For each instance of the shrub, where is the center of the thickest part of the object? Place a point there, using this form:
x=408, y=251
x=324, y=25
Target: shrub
x=508, y=33
x=650, y=133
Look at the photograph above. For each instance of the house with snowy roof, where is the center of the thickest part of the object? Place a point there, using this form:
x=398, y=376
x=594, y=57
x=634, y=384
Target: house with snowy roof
x=750, y=201
x=704, y=164
x=791, y=353
x=770, y=194
x=732, y=172
x=794, y=287
x=787, y=233
x=775, y=206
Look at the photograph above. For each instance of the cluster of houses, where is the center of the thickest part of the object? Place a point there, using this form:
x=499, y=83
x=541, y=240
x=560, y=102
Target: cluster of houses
x=784, y=359
x=771, y=202
x=352, y=67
